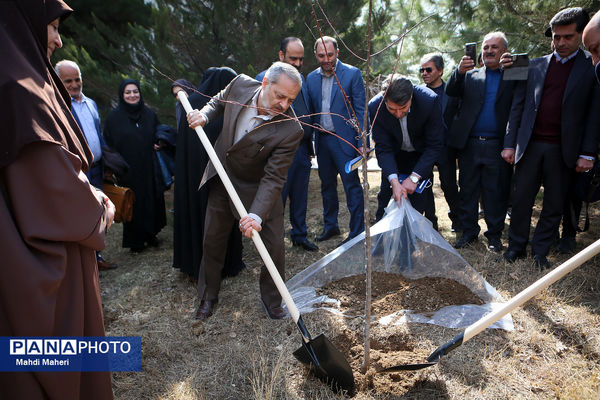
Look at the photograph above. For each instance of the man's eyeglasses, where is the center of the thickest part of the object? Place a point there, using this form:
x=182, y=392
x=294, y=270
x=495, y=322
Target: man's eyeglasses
x=427, y=69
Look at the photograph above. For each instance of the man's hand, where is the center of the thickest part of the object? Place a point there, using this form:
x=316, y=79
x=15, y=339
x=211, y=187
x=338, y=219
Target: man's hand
x=247, y=225
x=195, y=118
x=398, y=191
x=409, y=185
x=110, y=212
x=466, y=64
x=508, y=155
x=506, y=60
x=583, y=165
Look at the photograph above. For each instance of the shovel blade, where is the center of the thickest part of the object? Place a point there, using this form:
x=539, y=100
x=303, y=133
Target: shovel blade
x=327, y=363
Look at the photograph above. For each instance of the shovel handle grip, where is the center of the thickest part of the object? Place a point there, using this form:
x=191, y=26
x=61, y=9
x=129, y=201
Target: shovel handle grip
x=239, y=206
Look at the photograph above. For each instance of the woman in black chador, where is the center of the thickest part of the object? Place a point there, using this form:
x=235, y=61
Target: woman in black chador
x=130, y=129
x=190, y=203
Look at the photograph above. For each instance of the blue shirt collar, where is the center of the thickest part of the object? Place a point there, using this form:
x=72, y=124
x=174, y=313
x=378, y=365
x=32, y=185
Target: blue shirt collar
x=564, y=60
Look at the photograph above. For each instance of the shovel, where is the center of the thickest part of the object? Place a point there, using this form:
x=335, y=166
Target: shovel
x=324, y=360
x=510, y=305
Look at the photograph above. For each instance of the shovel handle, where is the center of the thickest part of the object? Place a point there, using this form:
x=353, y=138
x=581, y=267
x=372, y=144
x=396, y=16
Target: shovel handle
x=532, y=290
x=239, y=206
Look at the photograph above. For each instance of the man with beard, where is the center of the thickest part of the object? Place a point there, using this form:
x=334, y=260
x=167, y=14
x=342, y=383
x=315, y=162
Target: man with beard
x=337, y=94
x=256, y=147
x=86, y=114
x=296, y=187
x=552, y=134
x=478, y=133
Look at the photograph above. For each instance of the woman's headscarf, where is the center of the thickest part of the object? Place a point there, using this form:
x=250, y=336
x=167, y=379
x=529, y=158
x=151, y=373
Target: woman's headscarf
x=188, y=87
x=134, y=111
x=215, y=79
x=35, y=105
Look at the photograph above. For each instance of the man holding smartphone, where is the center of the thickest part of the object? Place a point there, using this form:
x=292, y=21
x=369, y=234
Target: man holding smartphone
x=551, y=137
x=478, y=133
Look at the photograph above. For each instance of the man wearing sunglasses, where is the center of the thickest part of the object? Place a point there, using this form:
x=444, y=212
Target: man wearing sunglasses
x=432, y=69
x=408, y=132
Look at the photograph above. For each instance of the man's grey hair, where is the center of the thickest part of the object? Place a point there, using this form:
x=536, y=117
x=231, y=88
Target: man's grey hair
x=277, y=68
x=497, y=34
x=398, y=89
x=436, y=58
x=568, y=16
x=326, y=39
x=66, y=63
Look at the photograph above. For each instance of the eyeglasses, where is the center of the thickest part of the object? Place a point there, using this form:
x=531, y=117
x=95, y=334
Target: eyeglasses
x=427, y=69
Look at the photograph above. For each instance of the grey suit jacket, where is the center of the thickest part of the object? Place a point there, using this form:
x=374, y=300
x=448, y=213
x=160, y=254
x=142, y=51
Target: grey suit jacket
x=470, y=89
x=258, y=163
x=580, y=123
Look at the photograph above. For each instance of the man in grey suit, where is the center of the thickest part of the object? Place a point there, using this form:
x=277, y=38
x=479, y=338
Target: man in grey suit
x=552, y=132
x=477, y=132
x=256, y=147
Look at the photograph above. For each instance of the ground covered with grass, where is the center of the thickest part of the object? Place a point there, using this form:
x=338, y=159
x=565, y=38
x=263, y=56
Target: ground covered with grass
x=554, y=351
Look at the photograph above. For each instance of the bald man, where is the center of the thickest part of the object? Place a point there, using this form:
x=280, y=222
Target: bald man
x=591, y=40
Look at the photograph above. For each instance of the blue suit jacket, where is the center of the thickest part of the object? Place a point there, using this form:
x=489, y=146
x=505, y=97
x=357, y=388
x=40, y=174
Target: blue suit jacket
x=425, y=129
x=352, y=84
x=580, y=109
x=302, y=109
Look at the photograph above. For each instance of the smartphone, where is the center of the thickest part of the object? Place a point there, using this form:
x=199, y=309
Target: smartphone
x=471, y=51
x=520, y=60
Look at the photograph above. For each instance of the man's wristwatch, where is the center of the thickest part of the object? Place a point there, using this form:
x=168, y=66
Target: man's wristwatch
x=413, y=178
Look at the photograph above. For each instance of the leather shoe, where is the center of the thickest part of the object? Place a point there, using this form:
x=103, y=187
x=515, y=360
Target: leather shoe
x=274, y=312
x=567, y=245
x=464, y=241
x=205, y=309
x=328, y=234
x=495, y=245
x=541, y=262
x=512, y=255
x=104, y=265
x=305, y=244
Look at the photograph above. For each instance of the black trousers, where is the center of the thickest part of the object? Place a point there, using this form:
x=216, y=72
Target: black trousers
x=483, y=172
x=447, y=172
x=542, y=164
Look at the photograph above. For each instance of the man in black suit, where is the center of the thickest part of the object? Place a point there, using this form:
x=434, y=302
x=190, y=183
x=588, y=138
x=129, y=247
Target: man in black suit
x=477, y=132
x=591, y=39
x=432, y=69
x=552, y=132
x=408, y=132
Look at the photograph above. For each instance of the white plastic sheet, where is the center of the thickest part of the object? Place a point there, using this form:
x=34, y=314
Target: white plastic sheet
x=403, y=242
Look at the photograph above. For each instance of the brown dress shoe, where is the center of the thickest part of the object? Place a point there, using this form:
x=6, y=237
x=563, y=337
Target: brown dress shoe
x=205, y=309
x=104, y=265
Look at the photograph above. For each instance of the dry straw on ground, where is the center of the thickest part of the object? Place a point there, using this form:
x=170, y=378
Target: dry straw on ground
x=554, y=351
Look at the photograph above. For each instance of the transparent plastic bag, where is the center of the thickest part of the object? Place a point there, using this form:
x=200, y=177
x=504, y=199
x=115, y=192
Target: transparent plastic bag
x=405, y=243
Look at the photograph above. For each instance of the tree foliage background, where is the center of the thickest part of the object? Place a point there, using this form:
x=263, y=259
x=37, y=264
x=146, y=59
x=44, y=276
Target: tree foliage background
x=182, y=38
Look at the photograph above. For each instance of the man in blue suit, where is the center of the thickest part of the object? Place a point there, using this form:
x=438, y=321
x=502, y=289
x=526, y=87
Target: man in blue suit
x=409, y=135
x=85, y=112
x=296, y=187
x=337, y=94
x=552, y=134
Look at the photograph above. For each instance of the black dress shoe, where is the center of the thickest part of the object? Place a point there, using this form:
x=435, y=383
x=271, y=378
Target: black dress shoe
x=567, y=245
x=512, y=255
x=153, y=241
x=541, y=262
x=205, y=309
x=328, y=234
x=305, y=244
x=274, y=312
x=464, y=241
x=495, y=245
